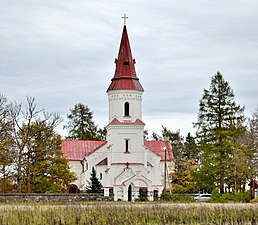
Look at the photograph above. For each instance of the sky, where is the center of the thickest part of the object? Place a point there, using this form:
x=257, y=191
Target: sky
x=62, y=53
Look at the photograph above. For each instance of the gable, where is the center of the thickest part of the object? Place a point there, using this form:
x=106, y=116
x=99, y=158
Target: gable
x=78, y=149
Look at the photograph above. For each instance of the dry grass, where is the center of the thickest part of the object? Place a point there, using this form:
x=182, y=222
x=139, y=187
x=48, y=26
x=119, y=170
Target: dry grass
x=128, y=214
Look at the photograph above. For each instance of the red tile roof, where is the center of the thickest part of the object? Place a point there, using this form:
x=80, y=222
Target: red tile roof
x=157, y=147
x=125, y=75
x=78, y=149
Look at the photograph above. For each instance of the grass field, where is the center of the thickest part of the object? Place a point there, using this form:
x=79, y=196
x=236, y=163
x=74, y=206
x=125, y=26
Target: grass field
x=128, y=214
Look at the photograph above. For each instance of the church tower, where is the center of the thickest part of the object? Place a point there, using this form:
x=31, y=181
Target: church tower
x=125, y=92
x=128, y=161
x=125, y=87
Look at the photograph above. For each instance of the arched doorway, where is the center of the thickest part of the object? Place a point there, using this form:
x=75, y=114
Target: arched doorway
x=137, y=190
x=130, y=193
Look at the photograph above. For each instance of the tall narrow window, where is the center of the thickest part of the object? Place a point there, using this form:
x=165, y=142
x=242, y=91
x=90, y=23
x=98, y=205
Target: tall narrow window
x=127, y=146
x=126, y=108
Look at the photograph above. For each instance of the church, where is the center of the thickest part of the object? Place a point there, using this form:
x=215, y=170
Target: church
x=128, y=166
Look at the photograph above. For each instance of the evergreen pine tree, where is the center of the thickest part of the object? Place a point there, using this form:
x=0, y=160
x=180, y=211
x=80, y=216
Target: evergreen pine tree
x=81, y=125
x=220, y=122
x=94, y=183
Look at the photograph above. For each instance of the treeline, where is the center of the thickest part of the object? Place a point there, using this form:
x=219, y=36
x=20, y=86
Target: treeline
x=31, y=160
x=222, y=157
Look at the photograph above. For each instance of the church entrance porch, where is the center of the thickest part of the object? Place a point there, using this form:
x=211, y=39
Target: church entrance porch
x=137, y=191
x=132, y=186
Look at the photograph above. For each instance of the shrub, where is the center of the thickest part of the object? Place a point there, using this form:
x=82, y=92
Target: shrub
x=182, y=198
x=230, y=197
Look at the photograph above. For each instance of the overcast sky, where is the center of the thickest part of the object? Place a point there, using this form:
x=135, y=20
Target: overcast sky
x=62, y=53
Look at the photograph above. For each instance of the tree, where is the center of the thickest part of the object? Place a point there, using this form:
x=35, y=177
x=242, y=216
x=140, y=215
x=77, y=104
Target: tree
x=155, y=136
x=247, y=165
x=251, y=139
x=185, y=162
x=190, y=148
x=6, y=148
x=45, y=169
x=101, y=133
x=219, y=124
x=94, y=183
x=182, y=180
x=240, y=168
x=146, y=135
x=38, y=162
x=176, y=141
x=81, y=125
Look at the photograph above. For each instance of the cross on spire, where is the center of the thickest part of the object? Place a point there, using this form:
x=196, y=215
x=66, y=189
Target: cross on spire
x=125, y=18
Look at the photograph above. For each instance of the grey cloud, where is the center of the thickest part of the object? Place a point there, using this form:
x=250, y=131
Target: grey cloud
x=62, y=53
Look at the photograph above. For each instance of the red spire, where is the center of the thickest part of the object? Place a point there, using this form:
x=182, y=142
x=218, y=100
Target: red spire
x=125, y=75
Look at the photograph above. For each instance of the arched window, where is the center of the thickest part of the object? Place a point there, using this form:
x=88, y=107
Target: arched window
x=126, y=109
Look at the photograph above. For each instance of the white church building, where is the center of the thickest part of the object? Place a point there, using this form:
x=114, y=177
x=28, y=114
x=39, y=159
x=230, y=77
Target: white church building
x=127, y=165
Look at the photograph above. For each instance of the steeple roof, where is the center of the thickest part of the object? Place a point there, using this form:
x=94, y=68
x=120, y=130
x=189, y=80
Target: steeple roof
x=125, y=76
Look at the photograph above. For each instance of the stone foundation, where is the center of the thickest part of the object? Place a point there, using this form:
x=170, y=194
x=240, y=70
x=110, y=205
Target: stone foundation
x=54, y=197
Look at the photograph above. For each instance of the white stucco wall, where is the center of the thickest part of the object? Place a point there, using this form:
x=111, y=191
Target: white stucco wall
x=117, y=136
x=76, y=167
x=117, y=99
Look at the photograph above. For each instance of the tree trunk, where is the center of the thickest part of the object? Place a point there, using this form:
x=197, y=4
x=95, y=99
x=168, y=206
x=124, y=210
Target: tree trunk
x=19, y=174
x=221, y=182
